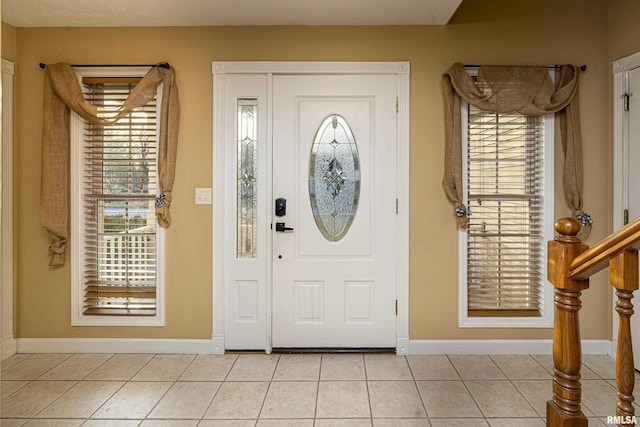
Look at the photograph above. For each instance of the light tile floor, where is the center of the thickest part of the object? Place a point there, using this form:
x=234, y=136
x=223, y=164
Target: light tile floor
x=257, y=390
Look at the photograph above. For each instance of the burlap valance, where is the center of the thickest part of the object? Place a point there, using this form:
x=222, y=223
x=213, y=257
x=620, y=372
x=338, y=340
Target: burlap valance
x=62, y=93
x=505, y=89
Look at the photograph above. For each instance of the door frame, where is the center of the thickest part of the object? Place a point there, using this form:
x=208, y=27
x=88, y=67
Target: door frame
x=620, y=70
x=222, y=69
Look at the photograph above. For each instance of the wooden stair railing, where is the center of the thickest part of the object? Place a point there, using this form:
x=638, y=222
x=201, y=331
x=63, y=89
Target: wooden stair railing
x=570, y=264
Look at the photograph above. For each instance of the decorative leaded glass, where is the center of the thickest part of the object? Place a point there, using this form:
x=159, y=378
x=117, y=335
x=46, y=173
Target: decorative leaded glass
x=334, y=178
x=247, y=191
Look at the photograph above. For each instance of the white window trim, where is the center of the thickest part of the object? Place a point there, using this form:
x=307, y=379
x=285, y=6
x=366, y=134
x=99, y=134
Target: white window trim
x=546, y=307
x=8, y=340
x=76, y=228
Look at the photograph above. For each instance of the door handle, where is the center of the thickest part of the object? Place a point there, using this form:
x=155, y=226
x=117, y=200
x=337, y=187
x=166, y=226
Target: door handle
x=280, y=227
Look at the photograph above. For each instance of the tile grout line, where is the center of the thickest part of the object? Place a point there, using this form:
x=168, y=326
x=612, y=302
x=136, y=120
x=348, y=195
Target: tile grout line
x=187, y=367
x=105, y=401
x=129, y=381
x=517, y=389
x=315, y=410
x=264, y=399
x=34, y=416
x=224, y=380
x=161, y=397
x=513, y=385
x=464, y=384
x=69, y=355
x=31, y=357
x=415, y=384
x=366, y=382
x=141, y=368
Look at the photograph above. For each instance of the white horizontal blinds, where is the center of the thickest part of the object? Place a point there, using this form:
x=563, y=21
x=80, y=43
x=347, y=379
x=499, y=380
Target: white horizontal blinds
x=505, y=235
x=119, y=184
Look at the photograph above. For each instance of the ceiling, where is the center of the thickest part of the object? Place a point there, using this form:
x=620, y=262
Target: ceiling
x=127, y=13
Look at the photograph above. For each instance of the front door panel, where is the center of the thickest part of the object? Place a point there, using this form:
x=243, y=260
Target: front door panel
x=334, y=162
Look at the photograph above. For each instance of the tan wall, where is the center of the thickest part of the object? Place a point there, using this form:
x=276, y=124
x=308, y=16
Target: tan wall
x=624, y=31
x=482, y=31
x=9, y=42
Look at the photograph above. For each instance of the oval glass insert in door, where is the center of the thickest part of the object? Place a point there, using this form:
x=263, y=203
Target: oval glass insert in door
x=334, y=178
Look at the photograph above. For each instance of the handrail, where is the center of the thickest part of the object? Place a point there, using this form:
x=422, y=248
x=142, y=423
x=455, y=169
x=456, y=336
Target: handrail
x=598, y=256
x=570, y=263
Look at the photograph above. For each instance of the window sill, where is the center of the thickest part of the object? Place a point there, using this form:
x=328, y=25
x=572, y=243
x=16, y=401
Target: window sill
x=117, y=321
x=504, y=322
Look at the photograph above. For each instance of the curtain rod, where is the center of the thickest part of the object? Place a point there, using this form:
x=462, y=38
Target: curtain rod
x=555, y=67
x=161, y=65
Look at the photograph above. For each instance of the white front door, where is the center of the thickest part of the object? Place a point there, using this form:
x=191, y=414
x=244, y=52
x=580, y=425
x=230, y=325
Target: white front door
x=334, y=162
x=340, y=278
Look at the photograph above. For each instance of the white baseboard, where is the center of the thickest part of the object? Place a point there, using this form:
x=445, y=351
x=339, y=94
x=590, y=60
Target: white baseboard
x=614, y=348
x=500, y=347
x=114, y=345
x=8, y=348
x=403, y=344
x=216, y=346
x=599, y=347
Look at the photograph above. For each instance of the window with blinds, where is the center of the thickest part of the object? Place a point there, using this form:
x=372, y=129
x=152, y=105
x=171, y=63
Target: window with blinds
x=118, y=205
x=505, y=237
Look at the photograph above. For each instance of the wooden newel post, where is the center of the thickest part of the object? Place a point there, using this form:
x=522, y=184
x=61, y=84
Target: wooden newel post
x=623, y=274
x=564, y=410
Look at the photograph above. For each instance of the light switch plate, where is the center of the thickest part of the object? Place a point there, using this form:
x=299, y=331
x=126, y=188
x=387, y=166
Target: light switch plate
x=203, y=196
